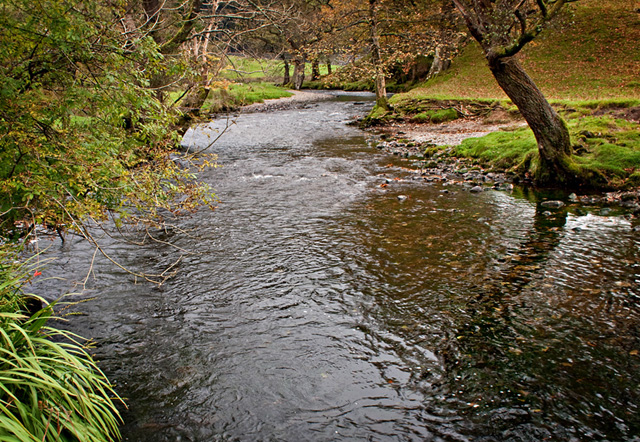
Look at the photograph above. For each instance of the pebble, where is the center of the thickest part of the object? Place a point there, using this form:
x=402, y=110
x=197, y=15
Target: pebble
x=554, y=204
x=605, y=211
x=402, y=198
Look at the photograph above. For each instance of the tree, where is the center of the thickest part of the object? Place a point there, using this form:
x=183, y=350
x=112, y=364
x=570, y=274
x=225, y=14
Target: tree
x=83, y=138
x=383, y=35
x=503, y=28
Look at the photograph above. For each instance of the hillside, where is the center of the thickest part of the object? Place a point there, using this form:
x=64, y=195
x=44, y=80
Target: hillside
x=590, y=52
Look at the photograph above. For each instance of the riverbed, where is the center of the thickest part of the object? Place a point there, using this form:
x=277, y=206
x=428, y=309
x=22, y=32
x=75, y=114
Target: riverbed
x=332, y=297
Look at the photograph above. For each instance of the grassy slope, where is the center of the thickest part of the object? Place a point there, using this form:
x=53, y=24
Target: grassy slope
x=591, y=52
x=589, y=60
x=256, y=69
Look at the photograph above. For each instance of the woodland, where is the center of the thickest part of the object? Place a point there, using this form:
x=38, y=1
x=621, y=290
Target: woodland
x=95, y=96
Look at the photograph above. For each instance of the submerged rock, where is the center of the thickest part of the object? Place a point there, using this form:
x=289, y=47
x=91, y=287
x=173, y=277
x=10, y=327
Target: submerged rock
x=476, y=189
x=505, y=186
x=605, y=211
x=554, y=204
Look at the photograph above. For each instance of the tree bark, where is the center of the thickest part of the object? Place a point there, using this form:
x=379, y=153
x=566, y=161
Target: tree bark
x=315, y=69
x=188, y=23
x=376, y=57
x=298, y=72
x=329, y=67
x=552, y=135
x=437, y=64
x=287, y=72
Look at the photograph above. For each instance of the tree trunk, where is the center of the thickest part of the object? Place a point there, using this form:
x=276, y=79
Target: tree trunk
x=315, y=69
x=552, y=135
x=298, y=72
x=195, y=99
x=437, y=65
x=287, y=72
x=329, y=67
x=188, y=24
x=376, y=57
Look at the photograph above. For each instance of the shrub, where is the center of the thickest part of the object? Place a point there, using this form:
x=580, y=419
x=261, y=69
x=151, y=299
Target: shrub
x=50, y=387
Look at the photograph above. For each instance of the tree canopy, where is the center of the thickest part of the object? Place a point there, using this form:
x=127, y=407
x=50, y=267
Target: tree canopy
x=83, y=134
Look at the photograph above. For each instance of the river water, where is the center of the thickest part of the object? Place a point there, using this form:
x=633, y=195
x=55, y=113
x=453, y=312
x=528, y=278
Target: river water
x=318, y=306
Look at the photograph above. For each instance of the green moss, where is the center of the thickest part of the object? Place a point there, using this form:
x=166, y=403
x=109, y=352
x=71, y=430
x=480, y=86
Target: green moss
x=607, y=151
x=610, y=146
x=504, y=150
x=436, y=116
x=376, y=115
x=444, y=115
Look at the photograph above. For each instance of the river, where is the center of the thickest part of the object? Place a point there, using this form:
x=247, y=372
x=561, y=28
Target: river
x=316, y=305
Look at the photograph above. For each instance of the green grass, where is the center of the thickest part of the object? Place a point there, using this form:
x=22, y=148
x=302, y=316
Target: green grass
x=258, y=69
x=242, y=94
x=252, y=69
x=234, y=95
x=590, y=53
x=604, y=144
x=50, y=388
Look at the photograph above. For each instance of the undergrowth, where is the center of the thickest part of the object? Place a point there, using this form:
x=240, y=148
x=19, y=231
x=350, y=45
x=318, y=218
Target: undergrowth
x=50, y=388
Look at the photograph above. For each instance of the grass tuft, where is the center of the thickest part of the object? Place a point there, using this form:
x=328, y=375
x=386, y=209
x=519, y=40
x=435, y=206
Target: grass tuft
x=50, y=388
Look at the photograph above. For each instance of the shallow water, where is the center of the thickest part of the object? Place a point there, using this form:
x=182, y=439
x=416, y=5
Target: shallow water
x=318, y=306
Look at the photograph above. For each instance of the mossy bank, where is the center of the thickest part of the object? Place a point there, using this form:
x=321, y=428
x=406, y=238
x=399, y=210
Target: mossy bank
x=587, y=69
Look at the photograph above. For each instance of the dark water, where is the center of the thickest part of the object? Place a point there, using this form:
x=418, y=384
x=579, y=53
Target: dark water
x=319, y=307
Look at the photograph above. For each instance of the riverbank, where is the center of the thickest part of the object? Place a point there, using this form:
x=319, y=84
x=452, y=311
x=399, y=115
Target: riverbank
x=486, y=144
x=298, y=98
x=435, y=151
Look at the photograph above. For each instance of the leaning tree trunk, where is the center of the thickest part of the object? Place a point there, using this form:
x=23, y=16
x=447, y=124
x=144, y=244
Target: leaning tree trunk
x=552, y=135
x=298, y=72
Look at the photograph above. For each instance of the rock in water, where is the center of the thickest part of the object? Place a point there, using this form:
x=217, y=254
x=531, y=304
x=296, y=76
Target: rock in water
x=552, y=204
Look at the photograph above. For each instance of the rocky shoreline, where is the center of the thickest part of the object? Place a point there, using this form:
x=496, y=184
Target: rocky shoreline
x=409, y=141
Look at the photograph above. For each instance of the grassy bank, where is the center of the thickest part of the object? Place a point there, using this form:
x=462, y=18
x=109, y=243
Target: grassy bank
x=604, y=145
x=587, y=64
x=229, y=96
x=235, y=95
x=590, y=53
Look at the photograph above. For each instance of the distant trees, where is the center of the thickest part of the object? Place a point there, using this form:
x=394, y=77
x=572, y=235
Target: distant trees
x=502, y=29
x=385, y=35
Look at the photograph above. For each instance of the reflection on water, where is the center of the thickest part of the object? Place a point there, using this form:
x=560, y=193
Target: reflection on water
x=318, y=306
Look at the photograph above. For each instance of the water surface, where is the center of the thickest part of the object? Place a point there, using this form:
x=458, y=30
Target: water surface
x=317, y=306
